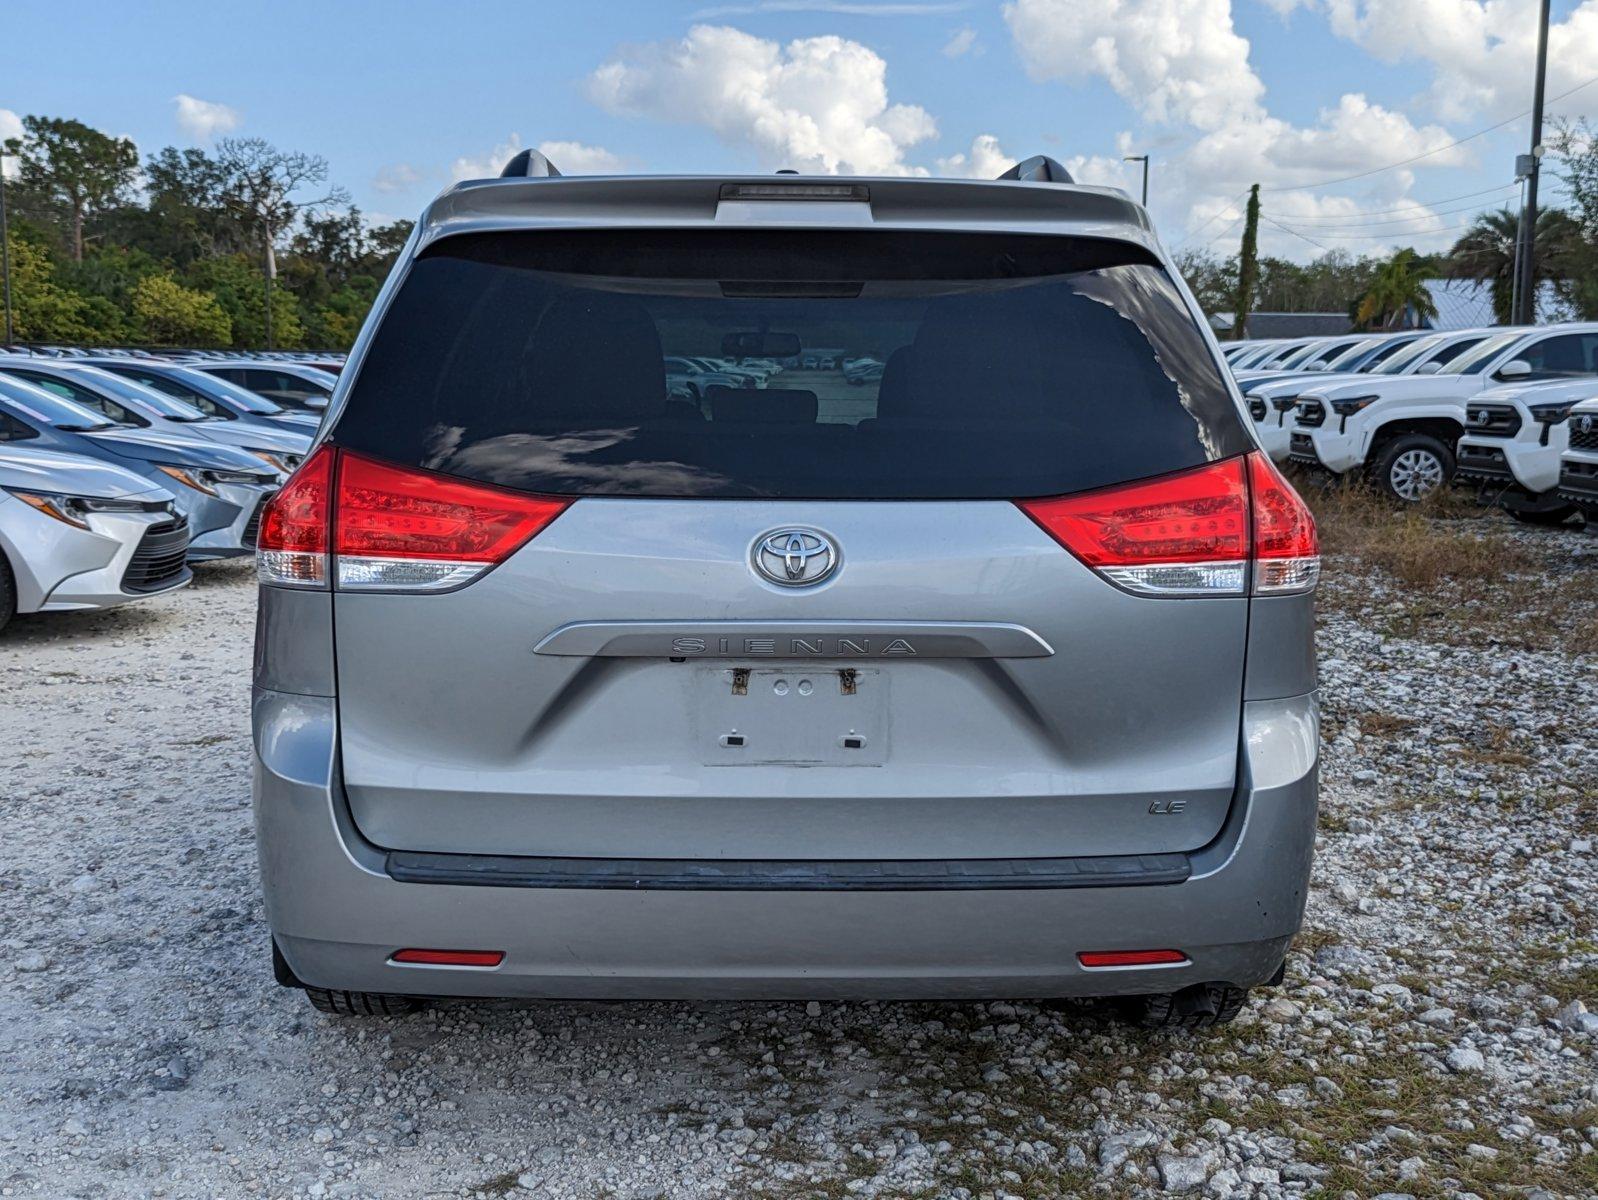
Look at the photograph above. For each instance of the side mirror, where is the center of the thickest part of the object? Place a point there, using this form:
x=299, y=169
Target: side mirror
x=1515, y=368
x=1320, y=364
x=1430, y=368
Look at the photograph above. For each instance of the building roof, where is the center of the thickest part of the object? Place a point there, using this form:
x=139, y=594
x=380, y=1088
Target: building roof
x=1296, y=324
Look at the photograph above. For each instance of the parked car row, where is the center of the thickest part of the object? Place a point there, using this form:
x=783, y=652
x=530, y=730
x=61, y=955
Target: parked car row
x=1500, y=409
x=119, y=470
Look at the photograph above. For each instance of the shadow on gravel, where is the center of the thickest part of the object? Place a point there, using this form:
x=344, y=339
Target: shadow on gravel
x=138, y=617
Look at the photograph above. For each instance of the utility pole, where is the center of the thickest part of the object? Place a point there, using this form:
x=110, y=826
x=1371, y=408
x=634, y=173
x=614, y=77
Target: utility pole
x=5, y=249
x=1144, y=159
x=1526, y=245
x=1248, y=267
x=271, y=270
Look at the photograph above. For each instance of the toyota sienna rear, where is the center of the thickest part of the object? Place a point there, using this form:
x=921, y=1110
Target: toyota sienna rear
x=958, y=646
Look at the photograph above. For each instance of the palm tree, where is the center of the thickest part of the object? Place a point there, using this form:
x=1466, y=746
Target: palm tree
x=1486, y=252
x=1399, y=287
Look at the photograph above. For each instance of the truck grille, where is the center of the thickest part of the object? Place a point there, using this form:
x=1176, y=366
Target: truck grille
x=1482, y=462
x=1578, y=481
x=158, y=561
x=1311, y=413
x=1301, y=449
x=1493, y=420
x=1583, y=439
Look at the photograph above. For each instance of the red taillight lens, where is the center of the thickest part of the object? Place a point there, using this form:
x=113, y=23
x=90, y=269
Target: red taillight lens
x=291, y=547
x=1184, y=534
x=397, y=527
x=1131, y=958
x=390, y=528
x=1191, y=534
x=1287, y=551
x=450, y=958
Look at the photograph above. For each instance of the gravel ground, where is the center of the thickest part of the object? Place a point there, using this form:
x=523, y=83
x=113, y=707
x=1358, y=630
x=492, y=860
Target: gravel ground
x=1431, y=1038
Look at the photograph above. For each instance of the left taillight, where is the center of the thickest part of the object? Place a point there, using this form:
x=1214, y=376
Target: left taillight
x=291, y=546
x=381, y=527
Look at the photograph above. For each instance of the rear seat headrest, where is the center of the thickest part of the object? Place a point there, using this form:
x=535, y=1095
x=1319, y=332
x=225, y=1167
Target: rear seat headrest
x=596, y=356
x=785, y=406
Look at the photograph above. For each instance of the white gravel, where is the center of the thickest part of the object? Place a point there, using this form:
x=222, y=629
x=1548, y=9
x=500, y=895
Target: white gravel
x=1434, y=1036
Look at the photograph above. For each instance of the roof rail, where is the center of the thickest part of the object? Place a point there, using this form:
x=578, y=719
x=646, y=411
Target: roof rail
x=1040, y=168
x=531, y=164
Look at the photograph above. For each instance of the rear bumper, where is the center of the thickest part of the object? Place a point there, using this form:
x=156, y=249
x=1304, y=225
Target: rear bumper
x=338, y=915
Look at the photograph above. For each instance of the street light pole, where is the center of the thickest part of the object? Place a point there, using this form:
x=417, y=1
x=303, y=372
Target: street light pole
x=5, y=250
x=1144, y=159
x=1525, y=276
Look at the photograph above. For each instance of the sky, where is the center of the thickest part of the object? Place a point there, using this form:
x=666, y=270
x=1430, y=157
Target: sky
x=1345, y=111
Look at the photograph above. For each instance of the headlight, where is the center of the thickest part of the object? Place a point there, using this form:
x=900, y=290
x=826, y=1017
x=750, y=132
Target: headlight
x=1552, y=414
x=279, y=461
x=74, y=510
x=1283, y=403
x=1353, y=404
x=188, y=478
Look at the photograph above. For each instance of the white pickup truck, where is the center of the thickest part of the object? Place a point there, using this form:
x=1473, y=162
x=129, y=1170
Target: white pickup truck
x=1514, y=439
x=1578, y=466
x=1403, y=431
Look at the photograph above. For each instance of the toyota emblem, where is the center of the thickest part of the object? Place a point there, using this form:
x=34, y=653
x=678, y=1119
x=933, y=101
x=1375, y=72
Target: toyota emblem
x=795, y=557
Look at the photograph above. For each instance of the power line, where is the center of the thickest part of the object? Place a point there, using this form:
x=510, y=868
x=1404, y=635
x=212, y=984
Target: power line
x=1424, y=205
x=1306, y=187
x=1232, y=203
x=1438, y=212
x=1394, y=236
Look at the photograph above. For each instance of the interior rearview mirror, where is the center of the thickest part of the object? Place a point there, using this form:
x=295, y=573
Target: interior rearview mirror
x=1515, y=368
x=760, y=345
x=1320, y=364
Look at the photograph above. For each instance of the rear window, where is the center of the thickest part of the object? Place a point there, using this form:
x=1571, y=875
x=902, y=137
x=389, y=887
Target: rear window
x=873, y=365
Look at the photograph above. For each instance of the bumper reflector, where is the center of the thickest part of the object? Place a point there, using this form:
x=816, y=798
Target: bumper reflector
x=450, y=958
x=1131, y=958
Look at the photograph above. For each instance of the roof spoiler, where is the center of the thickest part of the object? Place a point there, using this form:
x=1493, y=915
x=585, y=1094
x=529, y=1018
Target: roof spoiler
x=529, y=164
x=1040, y=168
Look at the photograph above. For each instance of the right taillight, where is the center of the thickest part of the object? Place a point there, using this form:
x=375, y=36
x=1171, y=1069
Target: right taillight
x=367, y=525
x=1201, y=532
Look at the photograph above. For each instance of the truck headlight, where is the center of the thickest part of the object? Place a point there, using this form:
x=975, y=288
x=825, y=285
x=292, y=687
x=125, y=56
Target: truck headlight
x=1353, y=404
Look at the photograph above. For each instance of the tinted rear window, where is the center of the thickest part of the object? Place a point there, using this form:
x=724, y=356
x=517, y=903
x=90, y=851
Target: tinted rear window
x=929, y=366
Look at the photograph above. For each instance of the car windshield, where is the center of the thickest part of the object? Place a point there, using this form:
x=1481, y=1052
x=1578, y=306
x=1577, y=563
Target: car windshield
x=1397, y=362
x=241, y=398
x=1475, y=362
x=54, y=411
x=1013, y=367
x=1303, y=355
x=137, y=394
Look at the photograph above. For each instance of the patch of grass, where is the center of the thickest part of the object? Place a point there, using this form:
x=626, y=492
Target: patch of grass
x=1380, y=724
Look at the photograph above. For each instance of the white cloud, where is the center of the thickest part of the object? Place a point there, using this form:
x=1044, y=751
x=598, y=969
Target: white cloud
x=986, y=160
x=818, y=104
x=1182, y=63
x=960, y=43
x=575, y=158
x=10, y=127
x=397, y=177
x=1482, y=50
x=489, y=165
x=204, y=120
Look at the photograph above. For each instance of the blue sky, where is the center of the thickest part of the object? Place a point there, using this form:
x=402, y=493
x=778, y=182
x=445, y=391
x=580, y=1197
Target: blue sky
x=403, y=97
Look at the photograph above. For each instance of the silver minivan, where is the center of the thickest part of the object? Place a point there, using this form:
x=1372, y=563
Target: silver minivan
x=990, y=677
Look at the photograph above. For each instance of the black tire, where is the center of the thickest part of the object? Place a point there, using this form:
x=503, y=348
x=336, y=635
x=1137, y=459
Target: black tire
x=8, y=593
x=1412, y=466
x=1548, y=517
x=360, y=1004
x=1202, y=1006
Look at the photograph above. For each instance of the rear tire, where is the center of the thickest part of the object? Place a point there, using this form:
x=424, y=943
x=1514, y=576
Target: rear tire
x=1412, y=466
x=360, y=1004
x=8, y=593
x=1202, y=1006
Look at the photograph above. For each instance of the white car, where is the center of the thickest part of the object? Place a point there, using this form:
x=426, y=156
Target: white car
x=1403, y=431
x=1514, y=439
x=1272, y=401
x=76, y=533
x=1578, y=466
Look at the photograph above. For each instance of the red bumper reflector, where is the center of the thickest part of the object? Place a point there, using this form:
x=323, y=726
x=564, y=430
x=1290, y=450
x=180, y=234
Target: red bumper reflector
x=1130, y=958
x=451, y=958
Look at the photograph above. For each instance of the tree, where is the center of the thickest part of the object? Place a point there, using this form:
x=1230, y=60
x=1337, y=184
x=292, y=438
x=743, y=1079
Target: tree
x=236, y=284
x=1213, y=281
x=167, y=313
x=1575, y=145
x=1247, y=264
x=79, y=169
x=43, y=310
x=264, y=185
x=1399, y=288
x=1486, y=252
